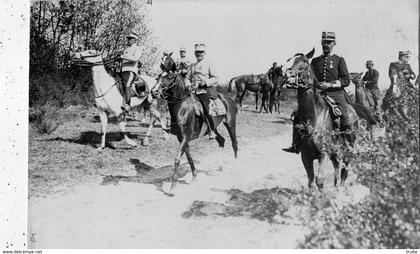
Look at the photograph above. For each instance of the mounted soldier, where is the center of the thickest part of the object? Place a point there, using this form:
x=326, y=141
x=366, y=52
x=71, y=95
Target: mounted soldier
x=183, y=63
x=203, y=79
x=332, y=75
x=130, y=58
x=370, y=81
x=401, y=68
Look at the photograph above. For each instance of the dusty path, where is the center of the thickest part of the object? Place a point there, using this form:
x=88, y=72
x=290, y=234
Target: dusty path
x=128, y=214
x=241, y=203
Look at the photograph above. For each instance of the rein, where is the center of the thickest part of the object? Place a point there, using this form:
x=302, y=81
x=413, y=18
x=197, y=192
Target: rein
x=84, y=63
x=166, y=95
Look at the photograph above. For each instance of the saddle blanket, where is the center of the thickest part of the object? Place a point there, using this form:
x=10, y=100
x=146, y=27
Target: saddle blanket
x=217, y=108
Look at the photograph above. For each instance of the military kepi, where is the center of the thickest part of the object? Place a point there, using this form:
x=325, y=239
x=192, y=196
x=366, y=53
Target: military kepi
x=403, y=53
x=132, y=35
x=369, y=62
x=200, y=47
x=328, y=36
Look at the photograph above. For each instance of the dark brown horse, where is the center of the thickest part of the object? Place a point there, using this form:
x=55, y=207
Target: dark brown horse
x=278, y=81
x=362, y=95
x=254, y=83
x=316, y=124
x=186, y=123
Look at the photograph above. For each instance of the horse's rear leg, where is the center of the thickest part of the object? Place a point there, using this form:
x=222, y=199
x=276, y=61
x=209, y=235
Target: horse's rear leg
x=231, y=127
x=320, y=176
x=336, y=164
x=124, y=132
x=104, y=122
x=181, y=151
x=241, y=97
x=308, y=163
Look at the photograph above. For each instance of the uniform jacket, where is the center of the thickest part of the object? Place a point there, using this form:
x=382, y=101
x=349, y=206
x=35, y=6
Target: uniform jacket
x=202, y=73
x=371, y=78
x=131, y=56
x=398, y=68
x=331, y=68
x=184, y=61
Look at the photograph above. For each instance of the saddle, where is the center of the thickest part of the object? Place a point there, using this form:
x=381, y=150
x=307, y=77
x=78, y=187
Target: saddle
x=138, y=87
x=216, y=107
x=334, y=110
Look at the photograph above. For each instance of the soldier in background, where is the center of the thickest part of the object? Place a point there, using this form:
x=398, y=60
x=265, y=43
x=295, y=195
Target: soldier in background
x=370, y=80
x=183, y=63
x=401, y=68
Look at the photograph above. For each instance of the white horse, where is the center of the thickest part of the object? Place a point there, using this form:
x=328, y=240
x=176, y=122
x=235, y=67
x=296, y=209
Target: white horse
x=108, y=98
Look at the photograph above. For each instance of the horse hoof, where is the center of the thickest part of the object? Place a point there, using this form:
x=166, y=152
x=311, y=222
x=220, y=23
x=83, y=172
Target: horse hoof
x=194, y=178
x=145, y=142
x=100, y=148
x=166, y=136
x=173, y=185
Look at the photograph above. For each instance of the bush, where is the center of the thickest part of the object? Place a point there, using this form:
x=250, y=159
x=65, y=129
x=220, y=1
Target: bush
x=389, y=166
x=45, y=119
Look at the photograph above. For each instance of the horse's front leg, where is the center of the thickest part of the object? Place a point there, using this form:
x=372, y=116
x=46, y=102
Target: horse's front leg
x=308, y=163
x=104, y=122
x=256, y=101
x=122, y=125
x=157, y=116
x=320, y=176
x=182, y=146
x=191, y=162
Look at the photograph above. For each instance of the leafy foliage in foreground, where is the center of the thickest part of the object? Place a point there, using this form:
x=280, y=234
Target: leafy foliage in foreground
x=389, y=166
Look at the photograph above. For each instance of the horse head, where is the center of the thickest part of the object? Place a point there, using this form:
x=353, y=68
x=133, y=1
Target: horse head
x=356, y=78
x=167, y=63
x=299, y=73
x=90, y=56
x=170, y=87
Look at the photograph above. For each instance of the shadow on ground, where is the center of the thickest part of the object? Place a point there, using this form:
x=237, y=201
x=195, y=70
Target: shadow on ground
x=150, y=175
x=93, y=138
x=263, y=204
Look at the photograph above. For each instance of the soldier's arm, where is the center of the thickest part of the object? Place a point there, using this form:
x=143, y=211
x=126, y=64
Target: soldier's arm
x=343, y=74
x=133, y=56
x=410, y=71
x=371, y=83
x=392, y=71
x=213, y=78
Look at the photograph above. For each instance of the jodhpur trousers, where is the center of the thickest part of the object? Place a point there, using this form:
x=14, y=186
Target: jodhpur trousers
x=127, y=78
x=205, y=101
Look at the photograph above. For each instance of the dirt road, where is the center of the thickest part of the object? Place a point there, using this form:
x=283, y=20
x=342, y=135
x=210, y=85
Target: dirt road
x=243, y=203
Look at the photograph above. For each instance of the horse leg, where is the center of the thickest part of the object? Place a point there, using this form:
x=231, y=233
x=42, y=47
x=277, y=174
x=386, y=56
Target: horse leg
x=336, y=164
x=104, y=122
x=146, y=141
x=219, y=138
x=241, y=98
x=231, y=127
x=256, y=101
x=344, y=171
x=191, y=162
x=122, y=125
x=177, y=160
x=320, y=176
x=308, y=163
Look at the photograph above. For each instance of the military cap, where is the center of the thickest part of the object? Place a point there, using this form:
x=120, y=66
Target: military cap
x=200, y=47
x=328, y=36
x=182, y=49
x=132, y=35
x=403, y=53
x=369, y=62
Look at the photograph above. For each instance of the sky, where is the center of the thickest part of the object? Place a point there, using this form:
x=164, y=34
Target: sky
x=245, y=37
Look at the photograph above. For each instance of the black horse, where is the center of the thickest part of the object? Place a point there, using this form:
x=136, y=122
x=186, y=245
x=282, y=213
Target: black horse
x=186, y=123
x=278, y=81
x=254, y=83
x=317, y=125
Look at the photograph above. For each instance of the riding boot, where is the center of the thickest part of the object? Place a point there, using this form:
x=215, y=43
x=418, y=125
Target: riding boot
x=294, y=148
x=348, y=135
x=212, y=134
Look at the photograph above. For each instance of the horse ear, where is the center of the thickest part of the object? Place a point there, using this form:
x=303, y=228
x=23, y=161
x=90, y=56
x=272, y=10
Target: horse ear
x=310, y=54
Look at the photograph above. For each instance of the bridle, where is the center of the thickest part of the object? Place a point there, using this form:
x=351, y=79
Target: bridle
x=172, y=99
x=83, y=63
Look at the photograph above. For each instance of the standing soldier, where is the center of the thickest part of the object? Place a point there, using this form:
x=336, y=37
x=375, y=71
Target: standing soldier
x=331, y=72
x=370, y=80
x=183, y=63
x=130, y=58
x=270, y=71
x=203, y=79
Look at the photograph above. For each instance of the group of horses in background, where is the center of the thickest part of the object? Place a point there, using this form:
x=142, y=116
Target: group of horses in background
x=267, y=85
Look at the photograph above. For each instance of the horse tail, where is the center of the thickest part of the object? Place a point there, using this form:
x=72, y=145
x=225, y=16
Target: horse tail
x=366, y=113
x=230, y=84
